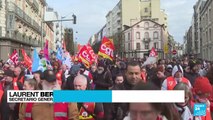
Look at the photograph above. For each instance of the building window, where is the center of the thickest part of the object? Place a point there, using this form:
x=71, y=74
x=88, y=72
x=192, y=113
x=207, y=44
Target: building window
x=146, y=45
x=206, y=19
x=210, y=34
x=146, y=34
x=209, y=15
x=138, y=46
x=146, y=25
x=138, y=35
x=156, y=45
x=155, y=35
x=145, y=10
x=128, y=46
x=128, y=36
x=207, y=37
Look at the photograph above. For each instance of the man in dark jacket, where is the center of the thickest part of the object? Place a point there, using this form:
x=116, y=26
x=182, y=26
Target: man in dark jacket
x=8, y=110
x=103, y=81
x=194, y=71
x=103, y=77
x=132, y=78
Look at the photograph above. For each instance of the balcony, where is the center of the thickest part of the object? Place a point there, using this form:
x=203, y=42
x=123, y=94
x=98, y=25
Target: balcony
x=147, y=40
x=22, y=38
x=57, y=32
x=35, y=5
x=29, y=2
x=23, y=16
x=27, y=18
x=57, y=25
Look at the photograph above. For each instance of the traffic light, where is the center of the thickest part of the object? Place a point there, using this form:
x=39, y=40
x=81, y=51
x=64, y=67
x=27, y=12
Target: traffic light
x=74, y=19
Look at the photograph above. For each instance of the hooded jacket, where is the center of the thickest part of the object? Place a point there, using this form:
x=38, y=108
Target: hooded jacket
x=175, y=69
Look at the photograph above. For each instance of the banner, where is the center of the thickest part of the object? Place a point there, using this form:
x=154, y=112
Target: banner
x=84, y=56
x=27, y=60
x=13, y=58
x=59, y=54
x=107, y=48
x=153, y=53
x=67, y=60
x=38, y=64
x=91, y=52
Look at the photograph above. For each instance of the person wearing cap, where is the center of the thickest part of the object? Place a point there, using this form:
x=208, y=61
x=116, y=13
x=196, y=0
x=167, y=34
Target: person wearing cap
x=194, y=71
x=87, y=111
x=7, y=83
x=202, y=90
x=49, y=111
x=103, y=77
x=103, y=81
x=84, y=71
x=168, y=71
x=177, y=76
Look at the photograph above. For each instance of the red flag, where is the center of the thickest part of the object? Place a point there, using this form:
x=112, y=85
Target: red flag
x=46, y=51
x=27, y=60
x=153, y=53
x=91, y=52
x=84, y=56
x=13, y=58
x=107, y=48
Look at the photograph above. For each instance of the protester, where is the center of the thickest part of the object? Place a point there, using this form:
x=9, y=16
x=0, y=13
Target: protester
x=49, y=111
x=30, y=84
x=177, y=76
x=37, y=76
x=8, y=110
x=194, y=71
x=88, y=111
x=202, y=90
x=19, y=75
x=103, y=77
x=151, y=111
x=183, y=108
x=132, y=77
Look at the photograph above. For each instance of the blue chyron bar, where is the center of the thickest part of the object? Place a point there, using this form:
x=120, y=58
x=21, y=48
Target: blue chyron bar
x=104, y=96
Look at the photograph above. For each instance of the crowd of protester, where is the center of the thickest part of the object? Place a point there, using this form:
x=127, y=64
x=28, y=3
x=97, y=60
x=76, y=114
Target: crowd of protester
x=194, y=76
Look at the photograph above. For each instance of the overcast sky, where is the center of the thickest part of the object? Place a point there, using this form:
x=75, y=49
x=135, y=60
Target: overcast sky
x=91, y=15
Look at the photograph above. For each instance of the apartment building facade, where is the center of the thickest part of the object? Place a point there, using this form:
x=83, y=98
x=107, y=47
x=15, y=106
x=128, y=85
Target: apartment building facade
x=129, y=12
x=141, y=37
x=21, y=26
x=207, y=30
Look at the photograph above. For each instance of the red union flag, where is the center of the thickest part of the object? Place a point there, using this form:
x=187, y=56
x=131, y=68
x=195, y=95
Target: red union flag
x=27, y=59
x=84, y=56
x=153, y=53
x=107, y=48
x=13, y=58
x=91, y=52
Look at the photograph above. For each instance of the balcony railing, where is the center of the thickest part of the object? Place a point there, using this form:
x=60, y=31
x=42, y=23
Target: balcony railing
x=146, y=40
x=19, y=37
x=35, y=5
x=23, y=16
x=29, y=2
